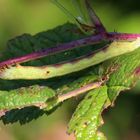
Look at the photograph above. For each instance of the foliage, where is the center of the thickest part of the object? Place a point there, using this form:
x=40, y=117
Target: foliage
x=23, y=100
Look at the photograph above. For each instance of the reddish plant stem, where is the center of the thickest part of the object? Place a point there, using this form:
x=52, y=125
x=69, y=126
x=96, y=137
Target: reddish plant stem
x=66, y=96
x=71, y=45
x=121, y=36
x=50, y=51
x=79, y=91
x=94, y=18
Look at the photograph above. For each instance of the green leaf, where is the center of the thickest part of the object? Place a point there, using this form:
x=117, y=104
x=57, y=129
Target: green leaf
x=125, y=76
x=23, y=111
x=25, y=104
x=87, y=117
x=26, y=96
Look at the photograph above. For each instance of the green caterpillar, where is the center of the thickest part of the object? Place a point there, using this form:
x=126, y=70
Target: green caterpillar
x=116, y=48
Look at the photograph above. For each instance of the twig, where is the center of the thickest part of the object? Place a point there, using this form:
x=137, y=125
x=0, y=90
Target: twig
x=79, y=91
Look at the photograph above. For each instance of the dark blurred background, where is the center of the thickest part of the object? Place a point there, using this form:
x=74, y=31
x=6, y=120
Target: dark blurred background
x=122, y=122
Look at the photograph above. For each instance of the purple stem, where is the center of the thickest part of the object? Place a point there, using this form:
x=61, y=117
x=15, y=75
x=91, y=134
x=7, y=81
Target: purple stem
x=94, y=18
x=54, y=50
x=122, y=36
x=71, y=45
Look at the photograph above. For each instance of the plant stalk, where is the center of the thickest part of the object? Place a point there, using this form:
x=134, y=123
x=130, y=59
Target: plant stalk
x=94, y=39
x=79, y=91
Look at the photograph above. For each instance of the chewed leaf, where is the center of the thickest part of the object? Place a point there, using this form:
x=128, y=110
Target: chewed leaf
x=26, y=96
x=87, y=117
